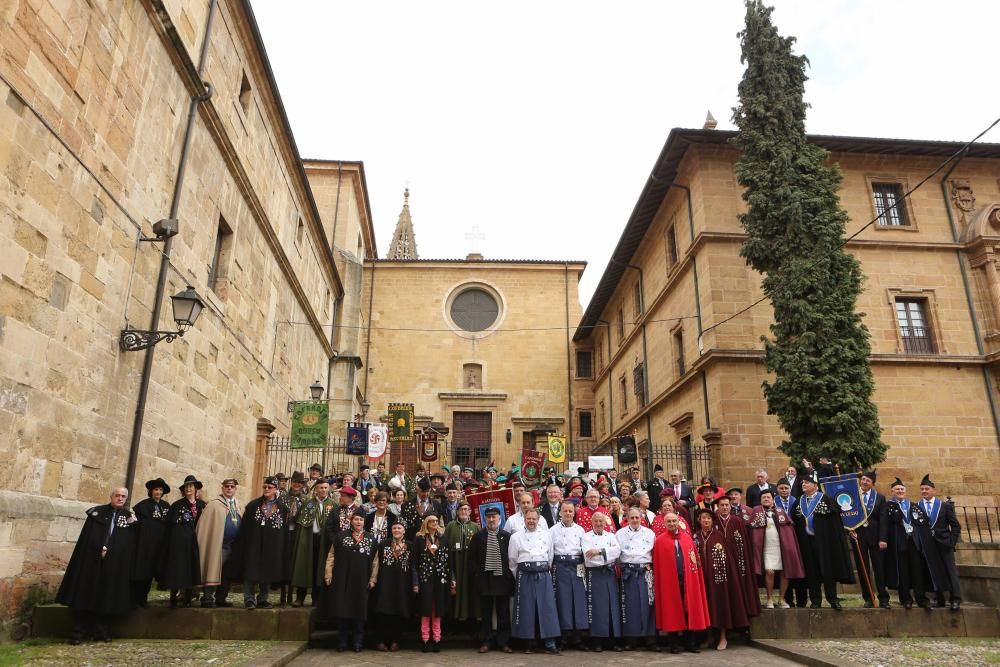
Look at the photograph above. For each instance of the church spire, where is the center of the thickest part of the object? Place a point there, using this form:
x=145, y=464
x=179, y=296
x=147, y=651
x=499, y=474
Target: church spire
x=404, y=244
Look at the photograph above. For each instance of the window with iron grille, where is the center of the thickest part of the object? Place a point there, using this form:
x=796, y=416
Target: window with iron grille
x=679, y=352
x=671, y=246
x=911, y=315
x=890, y=205
x=584, y=364
x=637, y=299
x=639, y=384
x=586, y=424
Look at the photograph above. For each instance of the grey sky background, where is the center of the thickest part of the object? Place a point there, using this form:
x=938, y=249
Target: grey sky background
x=538, y=122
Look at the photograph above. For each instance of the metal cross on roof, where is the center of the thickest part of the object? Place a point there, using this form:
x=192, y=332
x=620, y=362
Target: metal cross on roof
x=474, y=237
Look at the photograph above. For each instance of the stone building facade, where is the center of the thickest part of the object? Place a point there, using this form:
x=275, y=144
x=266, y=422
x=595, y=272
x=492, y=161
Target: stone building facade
x=94, y=102
x=482, y=348
x=670, y=368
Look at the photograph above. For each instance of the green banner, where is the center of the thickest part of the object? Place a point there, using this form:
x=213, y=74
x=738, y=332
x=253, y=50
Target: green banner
x=400, y=422
x=309, y=424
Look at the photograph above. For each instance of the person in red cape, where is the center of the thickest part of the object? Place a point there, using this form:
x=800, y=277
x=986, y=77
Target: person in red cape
x=707, y=493
x=586, y=511
x=774, y=547
x=679, y=585
x=669, y=505
x=723, y=582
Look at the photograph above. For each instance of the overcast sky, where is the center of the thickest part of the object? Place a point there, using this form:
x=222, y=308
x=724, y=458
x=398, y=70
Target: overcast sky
x=539, y=122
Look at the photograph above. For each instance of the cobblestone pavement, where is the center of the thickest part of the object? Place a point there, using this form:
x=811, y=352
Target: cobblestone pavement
x=905, y=652
x=734, y=655
x=137, y=652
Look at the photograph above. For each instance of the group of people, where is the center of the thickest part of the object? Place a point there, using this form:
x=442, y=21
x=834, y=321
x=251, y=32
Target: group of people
x=590, y=561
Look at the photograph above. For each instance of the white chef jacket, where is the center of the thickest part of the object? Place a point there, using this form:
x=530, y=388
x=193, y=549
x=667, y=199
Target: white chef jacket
x=636, y=545
x=534, y=546
x=606, y=542
x=515, y=523
x=567, y=541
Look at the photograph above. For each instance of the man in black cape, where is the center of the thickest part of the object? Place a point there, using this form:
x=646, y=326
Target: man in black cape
x=865, y=541
x=260, y=547
x=937, y=537
x=822, y=542
x=415, y=509
x=96, y=585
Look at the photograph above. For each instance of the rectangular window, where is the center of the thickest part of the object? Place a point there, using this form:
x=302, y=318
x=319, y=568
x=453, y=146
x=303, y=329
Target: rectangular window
x=245, y=93
x=639, y=384
x=586, y=424
x=890, y=205
x=623, y=387
x=584, y=364
x=621, y=324
x=637, y=304
x=671, y=246
x=911, y=314
x=679, y=352
x=219, y=267
x=600, y=354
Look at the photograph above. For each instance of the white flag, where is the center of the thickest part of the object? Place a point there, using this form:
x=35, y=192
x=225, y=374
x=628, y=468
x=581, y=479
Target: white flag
x=377, y=436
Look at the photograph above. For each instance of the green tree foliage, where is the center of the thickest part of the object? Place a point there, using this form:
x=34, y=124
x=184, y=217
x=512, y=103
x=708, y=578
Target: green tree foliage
x=823, y=382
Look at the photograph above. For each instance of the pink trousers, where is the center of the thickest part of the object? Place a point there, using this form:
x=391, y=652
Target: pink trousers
x=429, y=623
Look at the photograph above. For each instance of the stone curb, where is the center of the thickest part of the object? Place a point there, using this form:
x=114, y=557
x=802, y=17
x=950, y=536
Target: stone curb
x=280, y=655
x=803, y=657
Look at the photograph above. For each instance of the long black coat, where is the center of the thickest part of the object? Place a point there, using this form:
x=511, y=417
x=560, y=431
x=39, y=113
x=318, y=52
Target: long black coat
x=352, y=568
x=488, y=583
x=260, y=547
x=868, y=535
x=95, y=584
x=830, y=536
x=935, y=540
x=151, y=533
x=393, y=593
x=893, y=532
x=181, y=563
x=432, y=573
x=754, y=491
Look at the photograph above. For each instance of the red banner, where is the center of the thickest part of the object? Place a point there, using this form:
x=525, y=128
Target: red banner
x=502, y=499
x=429, y=447
x=532, y=466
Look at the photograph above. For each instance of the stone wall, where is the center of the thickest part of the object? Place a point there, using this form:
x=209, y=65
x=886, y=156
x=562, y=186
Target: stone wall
x=94, y=109
x=934, y=409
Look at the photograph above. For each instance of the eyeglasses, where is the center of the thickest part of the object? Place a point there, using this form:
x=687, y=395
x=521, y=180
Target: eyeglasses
x=270, y=486
x=229, y=486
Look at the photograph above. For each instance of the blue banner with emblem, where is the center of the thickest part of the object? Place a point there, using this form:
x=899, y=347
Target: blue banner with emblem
x=357, y=439
x=846, y=492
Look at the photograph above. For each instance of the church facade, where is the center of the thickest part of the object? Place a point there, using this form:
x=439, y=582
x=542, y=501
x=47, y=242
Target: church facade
x=670, y=368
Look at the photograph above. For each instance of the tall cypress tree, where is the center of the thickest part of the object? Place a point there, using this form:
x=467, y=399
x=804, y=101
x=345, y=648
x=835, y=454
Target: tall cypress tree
x=819, y=353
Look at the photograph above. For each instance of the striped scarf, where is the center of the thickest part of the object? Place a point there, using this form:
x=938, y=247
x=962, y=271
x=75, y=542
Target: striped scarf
x=493, y=562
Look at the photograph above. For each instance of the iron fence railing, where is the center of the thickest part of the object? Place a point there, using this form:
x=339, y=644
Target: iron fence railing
x=282, y=457
x=980, y=524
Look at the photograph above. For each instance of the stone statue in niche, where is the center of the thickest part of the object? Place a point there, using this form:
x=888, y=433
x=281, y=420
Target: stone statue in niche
x=962, y=196
x=472, y=376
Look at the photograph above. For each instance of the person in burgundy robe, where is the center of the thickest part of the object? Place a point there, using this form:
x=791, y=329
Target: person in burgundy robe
x=723, y=582
x=590, y=506
x=679, y=588
x=788, y=547
x=738, y=542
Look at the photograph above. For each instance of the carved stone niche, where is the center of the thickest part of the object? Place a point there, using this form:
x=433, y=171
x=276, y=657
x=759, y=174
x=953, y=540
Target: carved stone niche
x=472, y=377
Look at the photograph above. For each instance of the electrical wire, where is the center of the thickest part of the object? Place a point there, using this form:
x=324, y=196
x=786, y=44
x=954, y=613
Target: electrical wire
x=871, y=222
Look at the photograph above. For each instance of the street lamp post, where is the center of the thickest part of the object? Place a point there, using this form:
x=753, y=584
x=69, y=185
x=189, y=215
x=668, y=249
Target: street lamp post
x=187, y=306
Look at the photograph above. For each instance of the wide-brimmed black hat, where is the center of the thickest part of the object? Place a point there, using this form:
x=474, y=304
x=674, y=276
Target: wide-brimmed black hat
x=158, y=482
x=298, y=476
x=191, y=479
x=316, y=466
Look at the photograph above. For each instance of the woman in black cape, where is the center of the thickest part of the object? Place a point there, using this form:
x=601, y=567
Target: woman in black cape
x=432, y=580
x=181, y=565
x=152, y=531
x=392, y=599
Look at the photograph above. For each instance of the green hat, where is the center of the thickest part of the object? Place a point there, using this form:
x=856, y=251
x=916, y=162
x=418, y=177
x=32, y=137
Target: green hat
x=501, y=478
x=492, y=469
x=515, y=469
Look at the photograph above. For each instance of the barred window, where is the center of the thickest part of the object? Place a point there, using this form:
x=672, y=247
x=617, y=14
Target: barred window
x=586, y=424
x=639, y=384
x=584, y=364
x=890, y=205
x=911, y=314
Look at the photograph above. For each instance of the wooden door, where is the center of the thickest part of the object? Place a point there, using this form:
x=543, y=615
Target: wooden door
x=472, y=439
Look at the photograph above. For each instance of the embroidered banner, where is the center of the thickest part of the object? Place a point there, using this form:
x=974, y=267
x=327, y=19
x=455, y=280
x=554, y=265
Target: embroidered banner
x=846, y=492
x=429, y=446
x=532, y=463
x=557, y=448
x=502, y=499
x=401, y=421
x=357, y=439
x=377, y=438
x=309, y=424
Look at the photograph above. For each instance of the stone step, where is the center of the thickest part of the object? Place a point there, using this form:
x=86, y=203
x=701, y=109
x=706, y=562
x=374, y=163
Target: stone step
x=155, y=622
x=970, y=621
